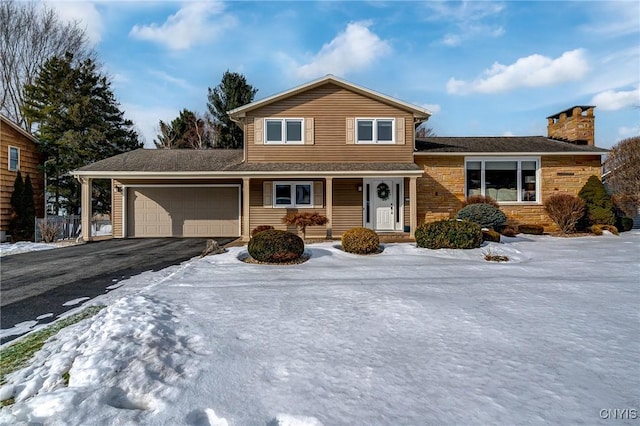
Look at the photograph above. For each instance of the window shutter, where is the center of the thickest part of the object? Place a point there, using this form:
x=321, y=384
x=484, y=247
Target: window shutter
x=308, y=131
x=400, y=130
x=267, y=194
x=350, y=131
x=317, y=194
x=258, y=130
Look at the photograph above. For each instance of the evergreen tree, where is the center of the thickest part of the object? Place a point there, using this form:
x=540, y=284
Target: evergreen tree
x=232, y=92
x=17, y=199
x=28, y=214
x=79, y=122
x=188, y=130
x=599, y=208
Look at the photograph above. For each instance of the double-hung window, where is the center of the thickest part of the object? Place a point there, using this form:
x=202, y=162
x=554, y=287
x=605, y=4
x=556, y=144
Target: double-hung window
x=509, y=180
x=375, y=130
x=292, y=194
x=284, y=130
x=14, y=158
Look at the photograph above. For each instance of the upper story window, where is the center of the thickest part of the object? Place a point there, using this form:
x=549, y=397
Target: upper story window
x=375, y=130
x=509, y=180
x=292, y=194
x=284, y=130
x=14, y=158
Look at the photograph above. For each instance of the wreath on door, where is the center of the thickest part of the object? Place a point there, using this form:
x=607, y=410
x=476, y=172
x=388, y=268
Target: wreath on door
x=383, y=191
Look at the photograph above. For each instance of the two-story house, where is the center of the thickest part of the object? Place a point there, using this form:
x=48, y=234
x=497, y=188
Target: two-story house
x=18, y=151
x=336, y=148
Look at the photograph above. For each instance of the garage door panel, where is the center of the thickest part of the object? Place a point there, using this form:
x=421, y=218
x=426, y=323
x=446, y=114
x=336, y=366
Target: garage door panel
x=183, y=212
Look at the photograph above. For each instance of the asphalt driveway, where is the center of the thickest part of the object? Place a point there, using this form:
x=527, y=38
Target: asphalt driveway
x=39, y=283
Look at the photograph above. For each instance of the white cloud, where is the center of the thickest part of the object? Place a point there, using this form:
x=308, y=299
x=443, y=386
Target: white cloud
x=434, y=108
x=146, y=119
x=194, y=23
x=626, y=132
x=175, y=81
x=611, y=100
x=612, y=19
x=85, y=13
x=469, y=18
x=531, y=71
x=354, y=49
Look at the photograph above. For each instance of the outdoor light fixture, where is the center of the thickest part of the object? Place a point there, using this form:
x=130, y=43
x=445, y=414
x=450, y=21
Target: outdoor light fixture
x=359, y=188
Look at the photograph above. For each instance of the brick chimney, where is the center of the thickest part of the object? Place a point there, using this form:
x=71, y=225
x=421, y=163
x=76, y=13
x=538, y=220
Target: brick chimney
x=575, y=125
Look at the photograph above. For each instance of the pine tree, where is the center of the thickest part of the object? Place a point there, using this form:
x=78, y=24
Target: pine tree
x=599, y=208
x=79, y=122
x=17, y=199
x=28, y=214
x=232, y=92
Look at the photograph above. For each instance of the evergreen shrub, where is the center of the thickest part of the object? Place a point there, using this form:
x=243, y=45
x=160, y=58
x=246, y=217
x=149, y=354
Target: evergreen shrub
x=485, y=215
x=531, y=229
x=275, y=246
x=624, y=224
x=490, y=235
x=599, y=208
x=480, y=199
x=260, y=228
x=599, y=228
x=449, y=233
x=360, y=241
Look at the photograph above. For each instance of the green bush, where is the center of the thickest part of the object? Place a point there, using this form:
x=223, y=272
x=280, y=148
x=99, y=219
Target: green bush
x=599, y=208
x=260, y=228
x=480, y=199
x=449, y=233
x=275, y=246
x=360, y=241
x=485, y=215
x=624, y=224
x=490, y=235
x=531, y=229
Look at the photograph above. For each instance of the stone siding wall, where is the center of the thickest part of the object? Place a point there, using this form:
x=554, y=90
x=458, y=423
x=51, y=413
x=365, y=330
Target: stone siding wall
x=441, y=189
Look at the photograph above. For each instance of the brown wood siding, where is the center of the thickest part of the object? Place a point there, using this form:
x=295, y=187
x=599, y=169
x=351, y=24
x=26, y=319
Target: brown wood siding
x=329, y=105
x=261, y=215
x=117, y=201
x=30, y=160
x=347, y=205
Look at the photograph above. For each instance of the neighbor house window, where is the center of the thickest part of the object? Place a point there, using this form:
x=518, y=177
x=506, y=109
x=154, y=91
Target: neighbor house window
x=375, y=130
x=503, y=179
x=292, y=194
x=14, y=158
x=284, y=130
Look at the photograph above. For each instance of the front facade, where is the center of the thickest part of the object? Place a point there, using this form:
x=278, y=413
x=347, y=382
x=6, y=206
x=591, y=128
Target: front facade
x=334, y=148
x=18, y=152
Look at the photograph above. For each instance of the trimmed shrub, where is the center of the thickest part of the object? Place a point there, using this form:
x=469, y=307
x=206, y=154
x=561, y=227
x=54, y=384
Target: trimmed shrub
x=260, y=228
x=302, y=220
x=624, y=224
x=490, y=235
x=485, y=215
x=275, y=246
x=360, y=241
x=531, y=229
x=508, y=231
x=565, y=210
x=599, y=228
x=480, y=199
x=599, y=208
x=449, y=233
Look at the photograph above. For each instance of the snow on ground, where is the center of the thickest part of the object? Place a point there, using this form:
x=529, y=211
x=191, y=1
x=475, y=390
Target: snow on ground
x=409, y=336
x=23, y=247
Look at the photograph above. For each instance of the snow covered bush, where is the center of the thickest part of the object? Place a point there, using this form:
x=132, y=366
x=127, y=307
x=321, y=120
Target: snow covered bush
x=449, y=233
x=485, y=215
x=360, y=241
x=565, y=210
x=275, y=246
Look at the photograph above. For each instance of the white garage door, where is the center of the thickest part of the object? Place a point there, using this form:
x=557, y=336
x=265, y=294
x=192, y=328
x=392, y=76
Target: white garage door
x=183, y=212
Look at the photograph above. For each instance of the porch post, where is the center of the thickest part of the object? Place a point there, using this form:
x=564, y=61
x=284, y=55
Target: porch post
x=85, y=208
x=329, y=207
x=246, y=222
x=413, y=205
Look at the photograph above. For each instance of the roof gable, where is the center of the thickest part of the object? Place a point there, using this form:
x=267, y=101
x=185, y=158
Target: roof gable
x=6, y=121
x=417, y=111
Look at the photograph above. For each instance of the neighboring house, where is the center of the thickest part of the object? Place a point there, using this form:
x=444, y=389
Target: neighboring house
x=18, y=151
x=347, y=152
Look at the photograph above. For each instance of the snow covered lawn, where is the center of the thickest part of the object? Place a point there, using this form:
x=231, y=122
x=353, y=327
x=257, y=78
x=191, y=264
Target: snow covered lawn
x=409, y=336
x=24, y=247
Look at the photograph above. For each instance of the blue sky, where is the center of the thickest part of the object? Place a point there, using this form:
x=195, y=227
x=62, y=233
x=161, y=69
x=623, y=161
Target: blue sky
x=483, y=68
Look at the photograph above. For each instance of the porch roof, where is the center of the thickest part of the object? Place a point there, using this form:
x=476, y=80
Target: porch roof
x=502, y=145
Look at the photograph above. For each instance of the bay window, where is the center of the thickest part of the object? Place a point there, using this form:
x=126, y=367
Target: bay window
x=508, y=180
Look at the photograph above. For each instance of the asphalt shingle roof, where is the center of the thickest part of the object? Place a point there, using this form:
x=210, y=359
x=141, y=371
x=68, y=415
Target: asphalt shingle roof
x=501, y=145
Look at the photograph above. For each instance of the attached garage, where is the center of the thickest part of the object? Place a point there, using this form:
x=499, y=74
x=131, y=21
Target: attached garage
x=183, y=211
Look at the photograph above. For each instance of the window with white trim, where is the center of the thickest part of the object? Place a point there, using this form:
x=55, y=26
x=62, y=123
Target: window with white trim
x=292, y=194
x=506, y=180
x=284, y=130
x=14, y=158
x=375, y=130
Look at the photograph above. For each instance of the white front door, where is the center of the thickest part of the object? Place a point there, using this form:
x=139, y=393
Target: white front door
x=383, y=198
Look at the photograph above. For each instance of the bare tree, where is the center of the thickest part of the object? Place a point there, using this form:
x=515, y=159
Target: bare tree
x=623, y=174
x=425, y=132
x=30, y=34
